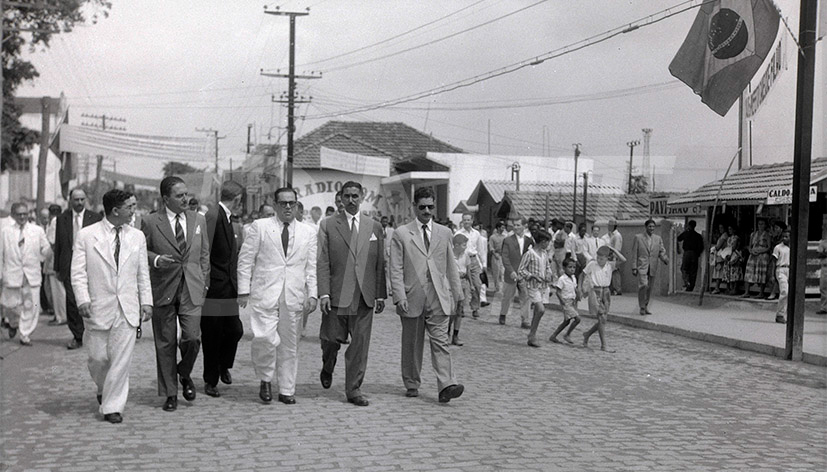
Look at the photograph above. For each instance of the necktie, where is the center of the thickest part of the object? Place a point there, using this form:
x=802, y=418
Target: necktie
x=76, y=226
x=179, y=234
x=117, y=246
x=354, y=234
x=425, y=238
x=22, y=240
x=285, y=238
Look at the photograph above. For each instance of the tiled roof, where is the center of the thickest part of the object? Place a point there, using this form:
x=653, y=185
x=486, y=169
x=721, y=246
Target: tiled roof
x=747, y=186
x=395, y=140
x=497, y=188
x=599, y=206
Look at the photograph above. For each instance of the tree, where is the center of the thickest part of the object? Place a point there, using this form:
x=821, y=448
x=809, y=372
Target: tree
x=46, y=17
x=178, y=168
x=640, y=184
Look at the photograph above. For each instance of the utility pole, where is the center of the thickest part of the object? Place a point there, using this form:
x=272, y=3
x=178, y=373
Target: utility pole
x=291, y=86
x=515, y=174
x=647, y=160
x=574, y=197
x=801, y=178
x=489, y=136
x=43, y=158
x=249, y=143
x=217, y=137
x=631, y=145
x=104, y=127
x=585, y=194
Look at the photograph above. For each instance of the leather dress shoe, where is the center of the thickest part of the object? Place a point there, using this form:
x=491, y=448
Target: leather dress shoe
x=411, y=393
x=287, y=399
x=100, y=398
x=359, y=401
x=211, y=390
x=74, y=344
x=25, y=342
x=326, y=379
x=265, y=393
x=226, y=377
x=189, y=388
x=449, y=392
x=502, y=319
x=113, y=418
x=171, y=404
x=455, y=341
x=12, y=332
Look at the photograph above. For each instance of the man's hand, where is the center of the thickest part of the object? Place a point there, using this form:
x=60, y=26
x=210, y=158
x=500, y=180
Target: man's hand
x=514, y=276
x=242, y=300
x=380, y=306
x=85, y=310
x=309, y=305
x=324, y=305
x=164, y=261
x=665, y=259
x=146, y=312
x=634, y=272
x=402, y=307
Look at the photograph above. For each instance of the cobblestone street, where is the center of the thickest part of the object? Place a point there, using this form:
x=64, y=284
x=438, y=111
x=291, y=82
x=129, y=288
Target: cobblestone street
x=660, y=402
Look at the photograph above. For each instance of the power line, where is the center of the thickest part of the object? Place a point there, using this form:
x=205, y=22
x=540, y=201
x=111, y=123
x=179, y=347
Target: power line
x=392, y=37
x=438, y=40
x=537, y=60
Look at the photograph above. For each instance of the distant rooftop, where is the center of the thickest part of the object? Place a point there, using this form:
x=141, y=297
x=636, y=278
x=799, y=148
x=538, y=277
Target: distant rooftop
x=498, y=188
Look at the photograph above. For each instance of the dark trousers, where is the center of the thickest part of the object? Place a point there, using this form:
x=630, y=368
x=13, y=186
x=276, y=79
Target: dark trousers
x=165, y=330
x=335, y=328
x=73, y=318
x=221, y=330
x=689, y=268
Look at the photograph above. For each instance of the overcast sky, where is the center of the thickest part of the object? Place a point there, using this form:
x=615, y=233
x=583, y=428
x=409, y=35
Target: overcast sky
x=170, y=67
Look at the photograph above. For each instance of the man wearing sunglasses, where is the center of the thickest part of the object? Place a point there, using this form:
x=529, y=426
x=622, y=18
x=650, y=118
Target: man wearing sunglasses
x=426, y=289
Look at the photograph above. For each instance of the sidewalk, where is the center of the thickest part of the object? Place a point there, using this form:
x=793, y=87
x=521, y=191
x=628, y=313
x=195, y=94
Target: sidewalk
x=729, y=321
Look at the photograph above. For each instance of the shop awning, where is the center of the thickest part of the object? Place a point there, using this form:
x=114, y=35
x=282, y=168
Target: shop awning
x=747, y=186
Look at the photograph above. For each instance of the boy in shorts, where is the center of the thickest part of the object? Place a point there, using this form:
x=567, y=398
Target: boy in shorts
x=468, y=274
x=536, y=271
x=597, y=277
x=569, y=294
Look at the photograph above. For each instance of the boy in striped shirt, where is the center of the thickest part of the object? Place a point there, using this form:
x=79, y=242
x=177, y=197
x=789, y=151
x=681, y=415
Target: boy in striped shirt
x=536, y=271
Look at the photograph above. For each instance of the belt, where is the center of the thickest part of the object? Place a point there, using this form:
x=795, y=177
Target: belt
x=782, y=267
x=600, y=286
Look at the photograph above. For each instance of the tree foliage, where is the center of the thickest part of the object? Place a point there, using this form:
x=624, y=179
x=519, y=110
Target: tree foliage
x=178, y=168
x=640, y=184
x=48, y=17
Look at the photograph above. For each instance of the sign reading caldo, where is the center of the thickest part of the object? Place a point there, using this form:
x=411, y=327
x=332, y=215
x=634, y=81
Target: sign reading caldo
x=784, y=195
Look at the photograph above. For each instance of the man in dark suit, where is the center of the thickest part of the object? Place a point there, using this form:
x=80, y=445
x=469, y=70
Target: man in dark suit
x=68, y=224
x=178, y=250
x=514, y=247
x=220, y=325
x=351, y=280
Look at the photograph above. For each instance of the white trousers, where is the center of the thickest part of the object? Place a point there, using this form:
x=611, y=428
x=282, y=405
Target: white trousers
x=22, y=308
x=275, y=345
x=110, y=355
x=58, y=298
x=782, y=274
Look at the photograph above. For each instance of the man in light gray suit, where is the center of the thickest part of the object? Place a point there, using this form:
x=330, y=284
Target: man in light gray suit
x=426, y=288
x=644, y=249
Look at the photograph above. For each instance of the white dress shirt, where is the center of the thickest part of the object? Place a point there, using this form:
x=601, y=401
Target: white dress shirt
x=429, y=228
x=227, y=211
x=183, y=218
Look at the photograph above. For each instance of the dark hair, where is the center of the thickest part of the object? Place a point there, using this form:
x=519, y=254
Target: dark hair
x=193, y=201
x=568, y=223
x=168, y=183
x=541, y=235
x=300, y=206
x=55, y=209
x=114, y=198
x=16, y=205
x=338, y=193
x=691, y=224
x=567, y=261
x=384, y=218
x=781, y=225
x=75, y=190
x=424, y=192
x=650, y=220
x=350, y=184
x=329, y=209
x=285, y=189
x=499, y=224
x=582, y=226
x=230, y=189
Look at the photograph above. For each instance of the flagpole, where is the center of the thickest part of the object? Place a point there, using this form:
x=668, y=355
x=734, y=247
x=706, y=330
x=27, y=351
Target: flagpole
x=802, y=155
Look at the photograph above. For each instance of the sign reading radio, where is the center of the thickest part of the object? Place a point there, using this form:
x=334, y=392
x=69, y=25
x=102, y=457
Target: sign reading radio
x=784, y=195
x=658, y=207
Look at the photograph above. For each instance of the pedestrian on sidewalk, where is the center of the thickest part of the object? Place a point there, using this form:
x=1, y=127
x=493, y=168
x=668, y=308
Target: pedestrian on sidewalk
x=645, y=248
x=569, y=294
x=692, y=244
x=778, y=227
x=781, y=256
x=734, y=272
x=55, y=285
x=615, y=241
x=597, y=278
x=822, y=257
x=495, y=247
x=514, y=246
x=467, y=275
x=23, y=247
x=476, y=249
x=110, y=277
x=759, y=260
x=536, y=271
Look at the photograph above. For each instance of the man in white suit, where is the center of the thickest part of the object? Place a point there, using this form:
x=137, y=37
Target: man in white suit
x=426, y=289
x=277, y=275
x=110, y=278
x=23, y=246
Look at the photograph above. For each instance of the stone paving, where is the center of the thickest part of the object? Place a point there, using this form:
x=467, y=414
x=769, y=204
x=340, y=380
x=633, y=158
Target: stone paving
x=660, y=402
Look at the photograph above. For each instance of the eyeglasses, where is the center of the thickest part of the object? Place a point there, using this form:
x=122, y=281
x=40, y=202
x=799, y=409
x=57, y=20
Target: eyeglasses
x=288, y=204
x=426, y=207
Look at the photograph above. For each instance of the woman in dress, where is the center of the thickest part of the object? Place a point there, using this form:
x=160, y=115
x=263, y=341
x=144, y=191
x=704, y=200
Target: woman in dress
x=719, y=257
x=735, y=265
x=759, y=259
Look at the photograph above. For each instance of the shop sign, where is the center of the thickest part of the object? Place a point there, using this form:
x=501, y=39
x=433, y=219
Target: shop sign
x=659, y=207
x=354, y=163
x=784, y=195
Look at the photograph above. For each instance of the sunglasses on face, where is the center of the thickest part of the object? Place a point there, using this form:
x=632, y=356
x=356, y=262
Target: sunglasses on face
x=426, y=207
x=287, y=204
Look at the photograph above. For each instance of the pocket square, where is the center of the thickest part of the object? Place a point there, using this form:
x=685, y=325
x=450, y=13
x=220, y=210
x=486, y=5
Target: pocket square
x=197, y=230
x=372, y=237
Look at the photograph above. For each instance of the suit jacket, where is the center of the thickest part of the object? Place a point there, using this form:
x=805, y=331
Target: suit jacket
x=512, y=254
x=643, y=254
x=64, y=242
x=265, y=271
x=223, y=255
x=16, y=261
x=193, y=263
x=343, y=269
x=411, y=264
x=112, y=289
